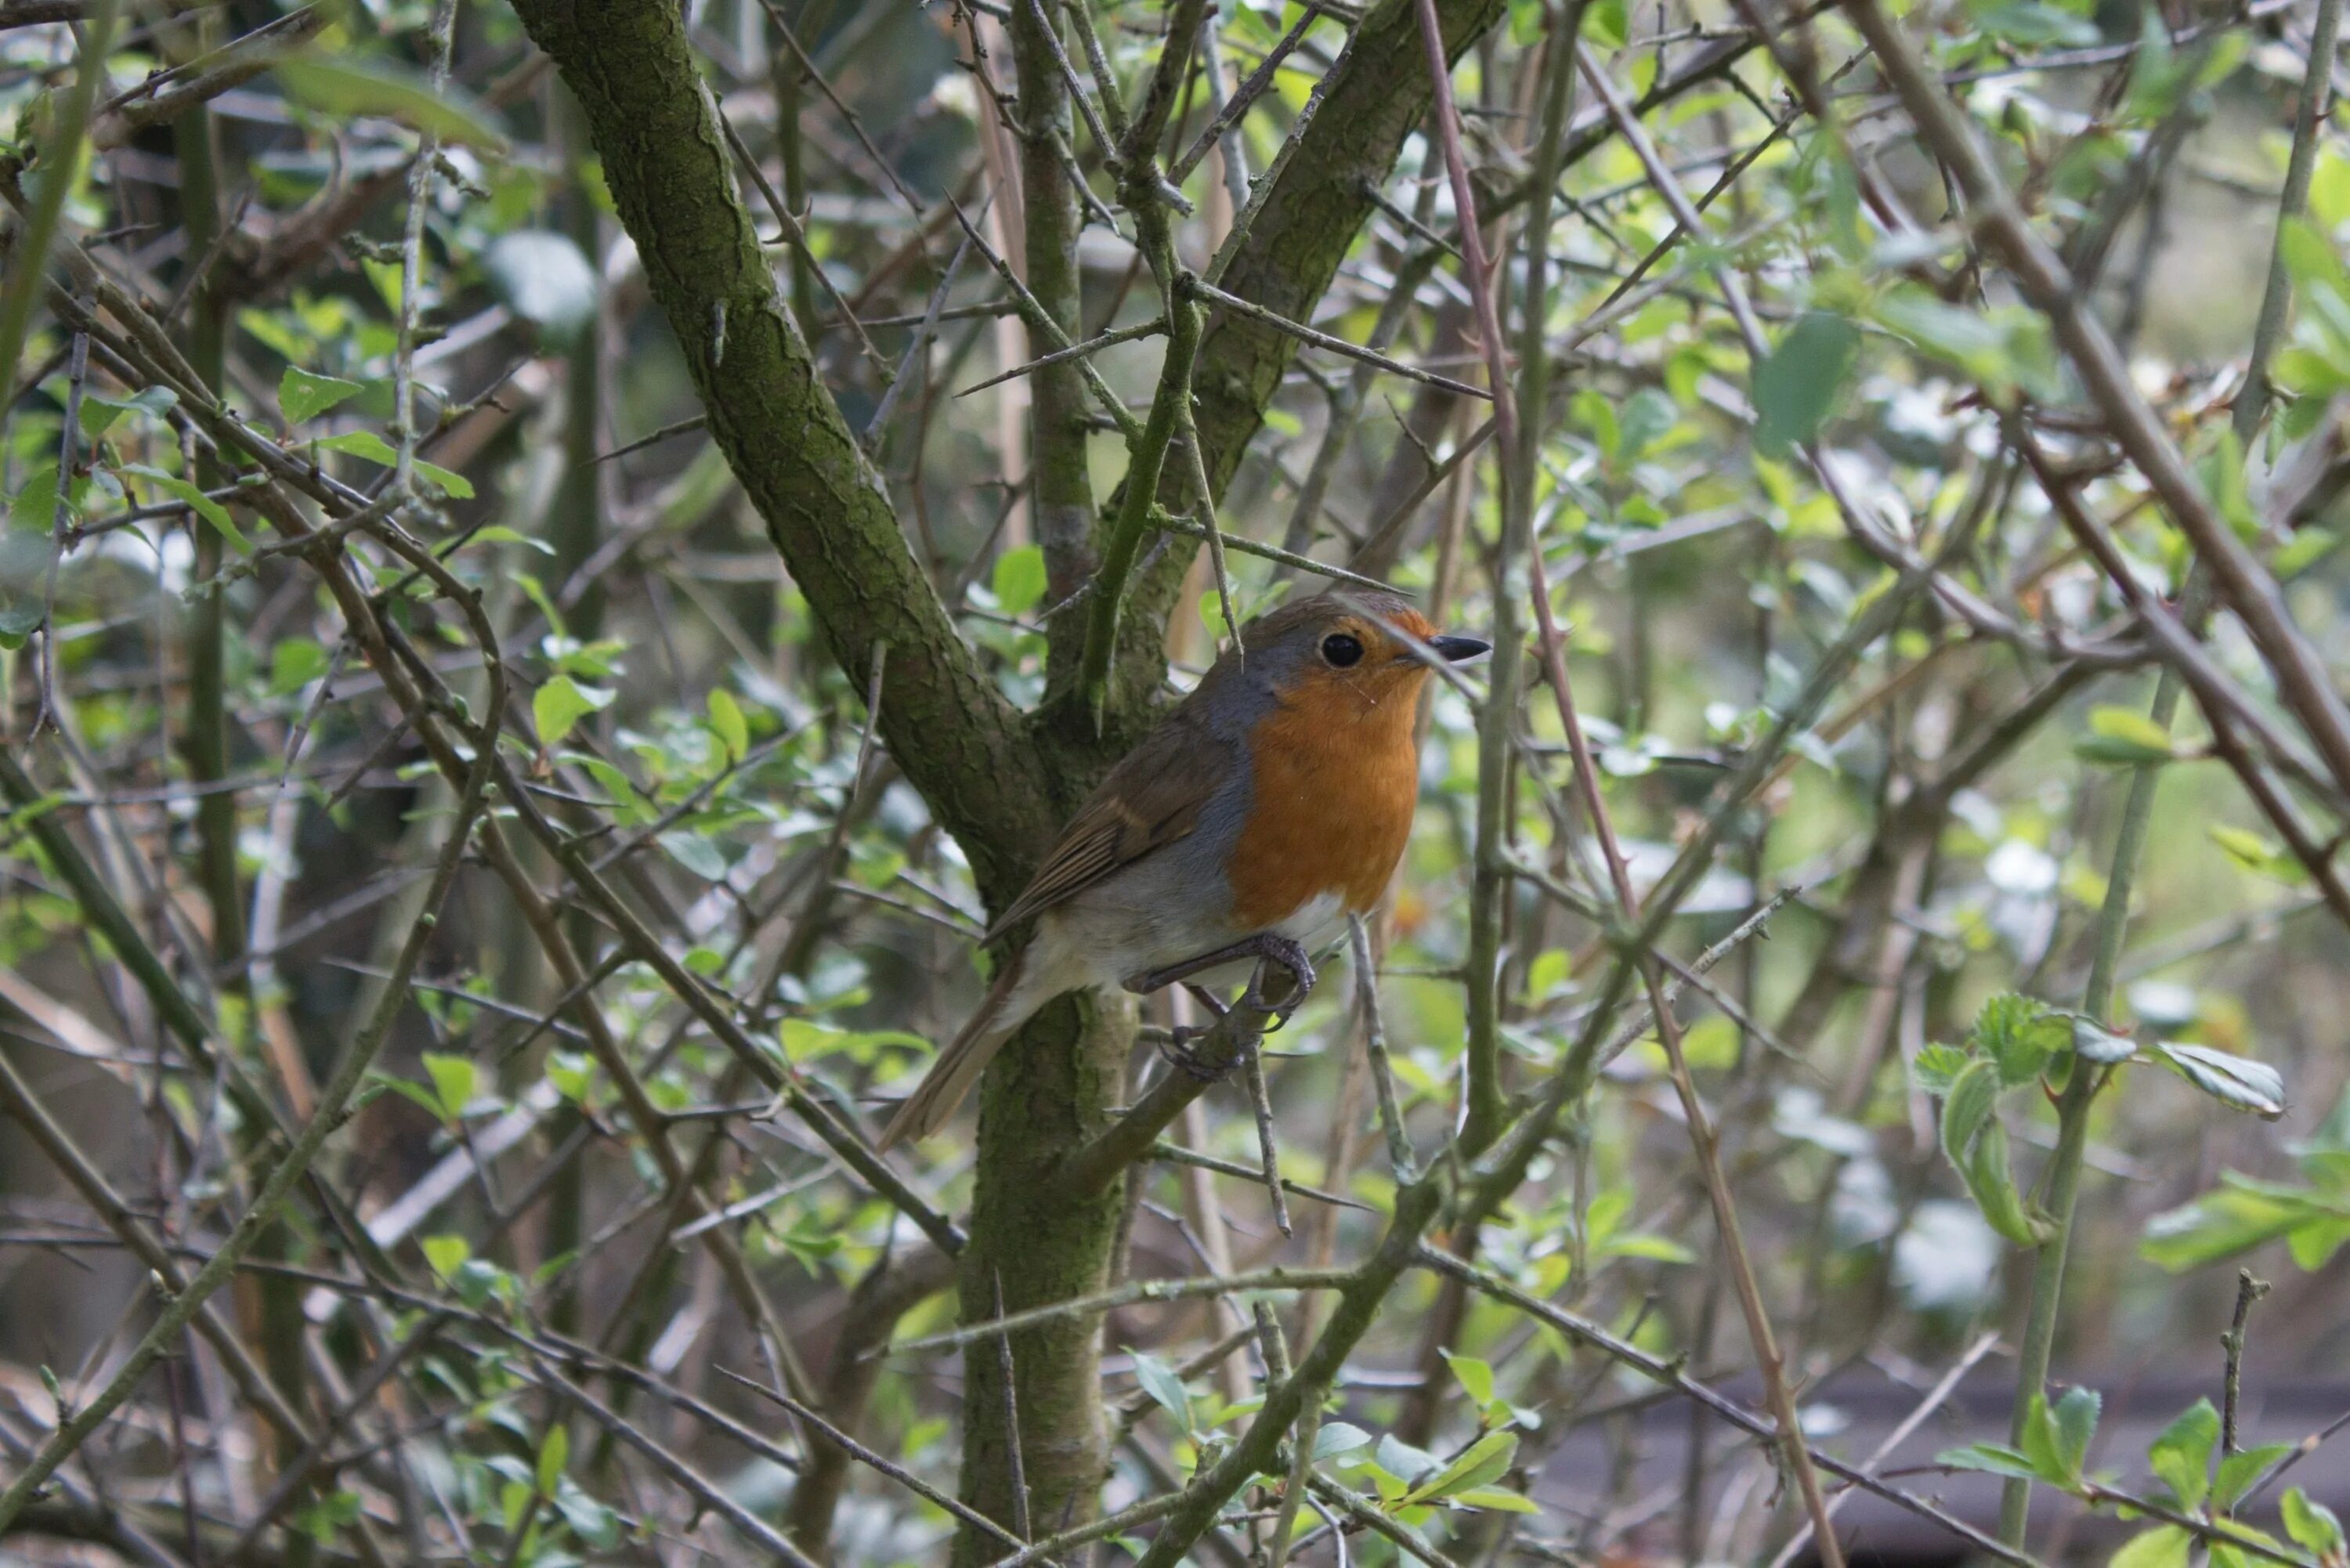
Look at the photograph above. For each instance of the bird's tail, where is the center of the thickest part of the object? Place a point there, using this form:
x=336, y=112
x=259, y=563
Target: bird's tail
x=950, y=1079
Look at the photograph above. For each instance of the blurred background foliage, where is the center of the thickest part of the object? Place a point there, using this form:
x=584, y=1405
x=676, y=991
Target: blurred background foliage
x=188, y=714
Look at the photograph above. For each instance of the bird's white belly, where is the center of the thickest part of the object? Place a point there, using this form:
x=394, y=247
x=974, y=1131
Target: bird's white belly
x=1112, y=932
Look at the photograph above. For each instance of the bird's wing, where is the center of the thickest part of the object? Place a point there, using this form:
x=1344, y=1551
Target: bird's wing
x=1150, y=800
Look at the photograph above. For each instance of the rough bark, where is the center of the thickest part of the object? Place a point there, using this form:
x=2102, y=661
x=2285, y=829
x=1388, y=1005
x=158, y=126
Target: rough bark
x=665, y=158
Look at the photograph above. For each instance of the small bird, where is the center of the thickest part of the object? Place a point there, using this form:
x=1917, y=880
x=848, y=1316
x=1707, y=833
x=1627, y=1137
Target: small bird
x=1271, y=804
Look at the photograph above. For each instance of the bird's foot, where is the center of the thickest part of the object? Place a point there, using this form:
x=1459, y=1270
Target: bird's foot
x=1271, y=949
x=1181, y=1055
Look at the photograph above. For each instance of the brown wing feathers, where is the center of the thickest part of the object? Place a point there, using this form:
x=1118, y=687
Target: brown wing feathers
x=1151, y=799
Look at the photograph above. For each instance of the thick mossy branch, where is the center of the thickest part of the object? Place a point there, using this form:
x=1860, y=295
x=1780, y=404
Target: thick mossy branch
x=665, y=160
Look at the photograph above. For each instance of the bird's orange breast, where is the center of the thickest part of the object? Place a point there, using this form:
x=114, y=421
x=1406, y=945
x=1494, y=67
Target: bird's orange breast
x=1335, y=779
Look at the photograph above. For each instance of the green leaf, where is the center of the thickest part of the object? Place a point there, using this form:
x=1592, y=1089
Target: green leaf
x=2180, y=1456
x=2216, y=1226
x=1803, y=381
x=100, y=411
x=499, y=534
x=1018, y=579
x=347, y=86
x=294, y=663
x=446, y=1254
x=1937, y=1067
x=2237, y=1472
x=1476, y=1376
x=2124, y=736
x=554, y=1455
x=726, y=719
x=1992, y=1459
x=2164, y=1546
x=2043, y=1446
x=1607, y=23
x=303, y=397
x=695, y=853
x=2019, y=1033
x=1495, y=1500
x=2311, y=1524
x=1486, y=1460
x=1971, y=1101
x=454, y=1079
x=1166, y=1389
x=1992, y=1180
x=373, y=448
x=2076, y=1423
x=192, y=497
x=589, y=1519
x=2236, y=1082
x=1337, y=1438
x=561, y=703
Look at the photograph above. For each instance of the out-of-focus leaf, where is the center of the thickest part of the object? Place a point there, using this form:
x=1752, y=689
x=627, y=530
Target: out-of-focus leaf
x=345, y=85
x=1799, y=386
x=1019, y=579
x=2164, y=1546
x=543, y=277
x=1166, y=1389
x=726, y=719
x=562, y=702
x=1992, y=1459
x=193, y=498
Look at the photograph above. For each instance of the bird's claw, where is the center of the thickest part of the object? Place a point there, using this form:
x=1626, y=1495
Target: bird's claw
x=1180, y=1056
x=1290, y=958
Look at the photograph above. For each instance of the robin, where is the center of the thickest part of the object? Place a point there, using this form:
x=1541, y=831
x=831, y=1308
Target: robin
x=1274, y=802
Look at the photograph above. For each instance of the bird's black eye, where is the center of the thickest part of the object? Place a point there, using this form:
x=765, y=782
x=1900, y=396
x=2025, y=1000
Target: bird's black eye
x=1342, y=649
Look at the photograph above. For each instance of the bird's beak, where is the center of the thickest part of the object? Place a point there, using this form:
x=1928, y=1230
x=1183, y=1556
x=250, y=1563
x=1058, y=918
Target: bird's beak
x=1461, y=649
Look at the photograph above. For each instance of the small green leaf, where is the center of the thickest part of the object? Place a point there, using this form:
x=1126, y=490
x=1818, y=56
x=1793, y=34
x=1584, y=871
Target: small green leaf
x=345, y=85
x=554, y=1455
x=1476, y=1376
x=2076, y=1423
x=193, y=498
x=373, y=448
x=2164, y=1546
x=1019, y=579
x=1166, y=1389
x=303, y=397
x=1973, y=1099
x=561, y=703
x=454, y=1079
x=726, y=719
x=1486, y=1460
x=98, y=412
x=1798, y=387
x=695, y=853
x=2312, y=1524
x=2237, y=1472
x=1337, y=1438
x=446, y=1254
x=1937, y=1067
x=2180, y=1456
x=1495, y=1500
x=1992, y=1459
x=294, y=663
